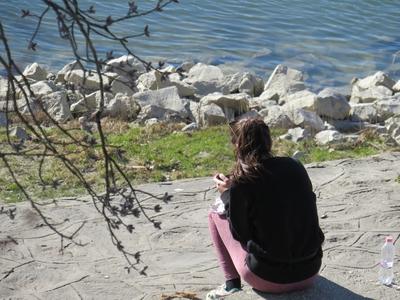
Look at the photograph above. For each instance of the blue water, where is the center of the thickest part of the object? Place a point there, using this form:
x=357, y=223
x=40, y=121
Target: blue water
x=331, y=41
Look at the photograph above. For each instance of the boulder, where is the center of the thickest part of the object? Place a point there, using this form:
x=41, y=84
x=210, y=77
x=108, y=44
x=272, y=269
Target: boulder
x=371, y=94
x=90, y=81
x=347, y=125
x=301, y=100
x=328, y=137
x=123, y=85
x=149, y=112
x=364, y=112
x=211, y=114
x=331, y=104
x=122, y=107
x=276, y=117
x=90, y=103
x=151, y=122
x=388, y=107
x=282, y=82
x=40, y=88
x=3, y=89
x=371, y=88
x=393, y=127
x=194, y=111
x=232, y=105
x=259, y=104
x=306, y=119
x=35, y=72
x=153, y=81
x=396, y=87
x=57, y=106
x=297, y=134
x=243, y=82
x=75, y=65
x=126, y=66
x=205, y=79
x=377, y=79
x=167, y=98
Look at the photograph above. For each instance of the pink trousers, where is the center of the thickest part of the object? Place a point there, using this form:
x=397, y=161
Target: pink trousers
x=232, y=259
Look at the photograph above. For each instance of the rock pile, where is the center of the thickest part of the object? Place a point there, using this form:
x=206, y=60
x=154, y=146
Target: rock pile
x=202, y=95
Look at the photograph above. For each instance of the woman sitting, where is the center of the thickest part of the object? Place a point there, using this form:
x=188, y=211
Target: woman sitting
x=269, y=234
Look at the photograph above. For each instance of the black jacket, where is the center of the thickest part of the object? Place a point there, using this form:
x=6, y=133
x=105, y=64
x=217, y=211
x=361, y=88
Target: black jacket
x=275, y=218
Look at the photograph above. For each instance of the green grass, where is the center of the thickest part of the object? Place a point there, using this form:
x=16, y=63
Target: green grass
x=398, y=179
x=156, y=153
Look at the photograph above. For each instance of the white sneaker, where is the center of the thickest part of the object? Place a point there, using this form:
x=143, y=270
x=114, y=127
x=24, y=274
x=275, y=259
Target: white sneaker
x=220, y=292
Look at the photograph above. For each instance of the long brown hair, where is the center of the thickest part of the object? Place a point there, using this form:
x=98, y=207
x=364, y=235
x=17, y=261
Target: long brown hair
x=253, y=144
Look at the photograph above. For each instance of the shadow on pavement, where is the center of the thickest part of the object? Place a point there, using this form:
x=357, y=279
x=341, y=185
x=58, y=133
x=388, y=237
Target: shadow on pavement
x=323, y=289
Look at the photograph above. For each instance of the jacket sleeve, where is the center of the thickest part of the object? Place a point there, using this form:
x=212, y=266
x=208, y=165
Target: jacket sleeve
x=238, y=214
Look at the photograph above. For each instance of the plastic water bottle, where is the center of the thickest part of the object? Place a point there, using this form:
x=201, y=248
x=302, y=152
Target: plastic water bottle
x=386, y=263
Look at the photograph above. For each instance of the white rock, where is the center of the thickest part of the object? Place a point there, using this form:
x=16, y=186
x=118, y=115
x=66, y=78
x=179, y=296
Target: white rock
x=243, y=82
x=194, y=111
x=377, y=79
x=57, y=106
x=122, y=107
x=396, y=87
x=301, y=100
x=282, y=82
x=393, y=127
x=90, y=81
x=212, y=114
x=276, y=117
x=232, y=105
x=259, y=104
x=306, y=119
x=152, y=121
x=205, y=79
x=364, y=112
x=125, y=65
x=160, y=113
x=123, y=85
x=3, y=89
x=359, y=95
x=75, y=65
x=167, y=98
x=42, y=88
x=347, y=125
x=298, y=134
x=35, y=72
x=327, y=137
x=153, y=81
x=388, y=107
x=332, y=105
x=90, y=102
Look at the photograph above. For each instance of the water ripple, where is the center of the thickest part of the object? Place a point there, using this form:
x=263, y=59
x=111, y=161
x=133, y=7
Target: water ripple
x=332, y=41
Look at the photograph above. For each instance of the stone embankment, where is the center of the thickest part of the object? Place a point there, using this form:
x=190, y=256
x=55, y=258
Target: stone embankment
x=202, y=95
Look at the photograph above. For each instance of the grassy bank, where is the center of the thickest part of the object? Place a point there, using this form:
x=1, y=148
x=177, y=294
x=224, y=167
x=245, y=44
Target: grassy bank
x=157, y=153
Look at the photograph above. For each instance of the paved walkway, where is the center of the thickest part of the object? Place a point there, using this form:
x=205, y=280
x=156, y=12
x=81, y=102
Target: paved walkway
x=358, y=203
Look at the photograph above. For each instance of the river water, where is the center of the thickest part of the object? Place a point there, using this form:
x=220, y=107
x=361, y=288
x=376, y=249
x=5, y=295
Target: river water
x=331, y=41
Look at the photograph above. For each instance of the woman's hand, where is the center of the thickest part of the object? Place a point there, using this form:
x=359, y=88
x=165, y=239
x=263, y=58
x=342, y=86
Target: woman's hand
x=222, y=183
